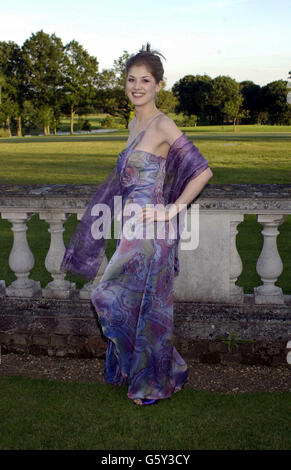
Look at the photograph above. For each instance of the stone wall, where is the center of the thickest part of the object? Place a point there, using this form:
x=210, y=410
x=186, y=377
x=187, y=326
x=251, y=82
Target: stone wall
x=71, y=328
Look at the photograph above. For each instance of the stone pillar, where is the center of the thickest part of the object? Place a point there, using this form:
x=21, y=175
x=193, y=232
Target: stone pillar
x=2, y=288
x=208, y=272
x=85, y=292
x=21, y=259
x=269, y=264
x=59, y=288
x=236, y=293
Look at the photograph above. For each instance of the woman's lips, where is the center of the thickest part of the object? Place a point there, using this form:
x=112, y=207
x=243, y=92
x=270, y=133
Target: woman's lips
x=137, y=95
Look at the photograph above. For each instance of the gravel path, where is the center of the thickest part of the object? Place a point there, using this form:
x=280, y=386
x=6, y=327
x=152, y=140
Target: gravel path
x=212, y=377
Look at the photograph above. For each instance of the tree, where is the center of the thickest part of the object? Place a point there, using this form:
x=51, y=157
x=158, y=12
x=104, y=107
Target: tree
x=226, y=98
x=275, y=102
x=43, y=58
x=232, y=108
x=12, y=91
x=80, y=79
x=289, y=88
x=166, y=101
x=6, y=107
x=192, y=93
x=252, y=101
x=106, y=79
x=111, y=93
x=119, y=70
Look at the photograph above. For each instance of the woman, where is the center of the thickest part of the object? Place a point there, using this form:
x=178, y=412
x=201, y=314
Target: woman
x=134, y=298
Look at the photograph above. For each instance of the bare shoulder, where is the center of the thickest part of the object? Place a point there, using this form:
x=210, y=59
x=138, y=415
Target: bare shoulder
x=168, y=128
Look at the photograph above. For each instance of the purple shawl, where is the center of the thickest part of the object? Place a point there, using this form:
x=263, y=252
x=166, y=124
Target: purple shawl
x=84, y=254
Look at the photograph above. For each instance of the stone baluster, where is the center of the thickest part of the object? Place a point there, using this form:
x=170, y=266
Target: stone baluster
x=2, y=288
x=21, y=259
x=269, y=264
x=236, y=293
x=85, y=292
x=59, y=288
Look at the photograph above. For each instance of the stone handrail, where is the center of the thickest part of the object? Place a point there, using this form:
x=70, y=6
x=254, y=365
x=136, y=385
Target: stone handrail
x=207, y=273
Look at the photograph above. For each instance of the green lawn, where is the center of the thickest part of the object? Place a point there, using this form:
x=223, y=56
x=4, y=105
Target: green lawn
x=234, y=157
x=43, y=414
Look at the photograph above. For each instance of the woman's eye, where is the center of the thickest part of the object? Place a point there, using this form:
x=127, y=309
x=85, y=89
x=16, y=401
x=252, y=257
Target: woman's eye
x=131, y=80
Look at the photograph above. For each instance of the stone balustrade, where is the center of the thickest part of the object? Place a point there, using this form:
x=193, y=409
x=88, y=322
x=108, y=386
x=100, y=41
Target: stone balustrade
x=208, y=273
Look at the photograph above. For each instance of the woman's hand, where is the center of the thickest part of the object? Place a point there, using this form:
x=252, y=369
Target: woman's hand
x=152, y=214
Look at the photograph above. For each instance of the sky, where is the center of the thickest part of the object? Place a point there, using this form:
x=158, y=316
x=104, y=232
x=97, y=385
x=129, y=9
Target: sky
x=243, y=39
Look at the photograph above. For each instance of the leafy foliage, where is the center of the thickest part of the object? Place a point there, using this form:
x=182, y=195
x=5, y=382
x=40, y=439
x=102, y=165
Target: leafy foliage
x=44, y=79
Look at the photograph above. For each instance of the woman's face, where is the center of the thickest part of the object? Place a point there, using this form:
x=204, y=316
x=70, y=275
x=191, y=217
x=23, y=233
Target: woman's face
x=141, y=87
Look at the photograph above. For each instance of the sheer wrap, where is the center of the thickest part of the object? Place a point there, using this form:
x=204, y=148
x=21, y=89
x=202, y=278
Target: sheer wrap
x=184, y=163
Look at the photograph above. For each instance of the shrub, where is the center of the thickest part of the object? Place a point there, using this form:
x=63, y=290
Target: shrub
x=4, y=133
x=190, y=121
x=82, y=125
x=86, y=126
x=183, y=120
x=108, y=122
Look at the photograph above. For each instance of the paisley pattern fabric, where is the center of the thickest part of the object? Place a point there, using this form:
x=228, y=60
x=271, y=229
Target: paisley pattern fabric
x=84, y=253
x=134, y=298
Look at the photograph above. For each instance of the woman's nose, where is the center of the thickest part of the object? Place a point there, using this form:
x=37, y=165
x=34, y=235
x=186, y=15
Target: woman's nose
x=137, y=86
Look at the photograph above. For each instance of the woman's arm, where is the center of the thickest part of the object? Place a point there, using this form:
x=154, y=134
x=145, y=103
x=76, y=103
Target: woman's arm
x=171, y=132
x=192, y=189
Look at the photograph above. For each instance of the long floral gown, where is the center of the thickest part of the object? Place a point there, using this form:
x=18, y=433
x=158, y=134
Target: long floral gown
x=134, y=298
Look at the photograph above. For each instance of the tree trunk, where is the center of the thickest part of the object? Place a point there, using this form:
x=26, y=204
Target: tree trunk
x=8, y=125
x=46, y=129
x=19, y=128
x=72, y=120
x=234, y=120
x=55, y=126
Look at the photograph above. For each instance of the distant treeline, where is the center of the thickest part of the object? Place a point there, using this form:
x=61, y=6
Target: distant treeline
x=44, y=80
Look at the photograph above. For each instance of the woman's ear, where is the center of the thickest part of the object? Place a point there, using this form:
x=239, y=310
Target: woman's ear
x=159, y=86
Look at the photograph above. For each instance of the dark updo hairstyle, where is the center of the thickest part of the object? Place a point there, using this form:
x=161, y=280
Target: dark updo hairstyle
x=150, y=59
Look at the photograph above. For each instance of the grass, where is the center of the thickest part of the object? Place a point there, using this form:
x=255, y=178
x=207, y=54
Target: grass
x=97, y=416
x=234, y=158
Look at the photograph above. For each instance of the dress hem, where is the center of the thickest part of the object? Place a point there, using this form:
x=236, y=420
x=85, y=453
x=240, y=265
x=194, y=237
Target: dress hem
x=155, y=397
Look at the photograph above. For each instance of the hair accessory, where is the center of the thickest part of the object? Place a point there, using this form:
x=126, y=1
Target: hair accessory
x=147, y=48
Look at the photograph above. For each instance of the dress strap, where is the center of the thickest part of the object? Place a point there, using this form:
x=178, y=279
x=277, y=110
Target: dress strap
x=149, y=123
x=141, y=133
